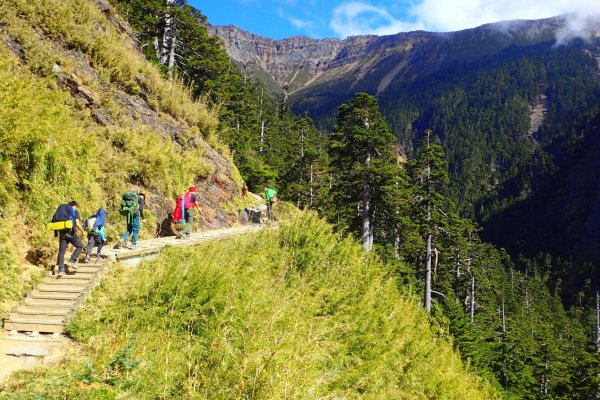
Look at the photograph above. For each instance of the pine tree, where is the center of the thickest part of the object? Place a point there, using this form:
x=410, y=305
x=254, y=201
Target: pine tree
x=429, y=171
x=363, y=164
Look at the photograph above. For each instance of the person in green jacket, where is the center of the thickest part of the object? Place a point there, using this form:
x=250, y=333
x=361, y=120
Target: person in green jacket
x=271, y=197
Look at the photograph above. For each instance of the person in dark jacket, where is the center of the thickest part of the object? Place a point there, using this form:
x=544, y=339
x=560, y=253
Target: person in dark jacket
x=69, y=236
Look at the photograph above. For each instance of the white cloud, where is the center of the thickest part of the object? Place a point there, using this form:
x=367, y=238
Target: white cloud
x=300, y=23
x=358, y=18
x=451, y=15
x=361, y=17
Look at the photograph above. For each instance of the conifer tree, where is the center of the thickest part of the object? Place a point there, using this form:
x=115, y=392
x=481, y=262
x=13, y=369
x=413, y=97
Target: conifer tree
x=429, y=171
x=363, y=164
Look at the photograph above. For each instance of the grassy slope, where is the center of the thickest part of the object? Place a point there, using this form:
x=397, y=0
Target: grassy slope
x=288, y=313
x=52, y=151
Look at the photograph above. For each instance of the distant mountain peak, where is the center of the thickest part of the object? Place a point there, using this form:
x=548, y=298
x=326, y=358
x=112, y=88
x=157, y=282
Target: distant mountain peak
x=295, y=64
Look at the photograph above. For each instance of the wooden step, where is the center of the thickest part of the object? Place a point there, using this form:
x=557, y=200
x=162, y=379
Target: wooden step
x=63, y=281
x=54, y=295
x=76, y=275
x=61, y=288
x=29, y=301
x=85, y=268
x=34, y=325
x=37, y=317
x=47, y=310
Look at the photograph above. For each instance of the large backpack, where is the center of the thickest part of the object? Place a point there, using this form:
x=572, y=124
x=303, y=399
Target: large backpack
x=88, y=224
x=63, y=218
x=130, y=206
x=95, y=222
x=179, y=212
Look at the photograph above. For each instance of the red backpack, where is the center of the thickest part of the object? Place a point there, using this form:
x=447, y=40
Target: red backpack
x=179, y=212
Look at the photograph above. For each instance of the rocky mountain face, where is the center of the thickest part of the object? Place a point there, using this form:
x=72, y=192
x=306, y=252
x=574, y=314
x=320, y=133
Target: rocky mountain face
x=305, y=67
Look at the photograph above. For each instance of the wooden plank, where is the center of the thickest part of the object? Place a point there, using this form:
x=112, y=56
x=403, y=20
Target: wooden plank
x=55, y=296
x=43, y=318
x=61, y=288
x=33, y=327
x=86, y=268
x=49, y=310
x=71, y=282
x=29, y=301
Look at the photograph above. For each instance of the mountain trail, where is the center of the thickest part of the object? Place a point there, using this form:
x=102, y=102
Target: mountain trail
x=34, y=332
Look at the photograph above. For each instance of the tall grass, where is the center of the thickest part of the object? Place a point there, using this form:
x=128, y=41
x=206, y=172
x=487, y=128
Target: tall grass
x=291, y=313
x=51, y=150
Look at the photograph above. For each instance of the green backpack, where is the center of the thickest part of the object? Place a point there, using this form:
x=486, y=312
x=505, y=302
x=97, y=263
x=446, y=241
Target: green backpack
x=130, y=206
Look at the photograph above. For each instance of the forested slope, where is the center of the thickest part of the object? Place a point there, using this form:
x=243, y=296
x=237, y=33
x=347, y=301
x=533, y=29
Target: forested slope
x=502, y=315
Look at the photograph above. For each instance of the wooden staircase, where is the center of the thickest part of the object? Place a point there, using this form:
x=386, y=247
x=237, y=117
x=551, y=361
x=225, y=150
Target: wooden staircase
x=54, y=301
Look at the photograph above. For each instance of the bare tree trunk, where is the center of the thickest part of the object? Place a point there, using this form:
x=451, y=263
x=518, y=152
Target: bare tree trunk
x=262, y=136
x=397, y=247
x=429, y=237
x=472, y=308
x=167, y=34
x=171, y=64
x=457, y=276
x=302, y=142
x=428, y=262
x=367, y=230
x=156, y=46
x=299, y=190
x=503, y=322
x=311, y=195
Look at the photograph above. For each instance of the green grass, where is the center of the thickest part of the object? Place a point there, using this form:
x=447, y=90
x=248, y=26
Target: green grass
x=52, y=151
x=294, y=312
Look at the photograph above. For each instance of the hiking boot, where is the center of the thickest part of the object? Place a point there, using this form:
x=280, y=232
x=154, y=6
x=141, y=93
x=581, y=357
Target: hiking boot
x=71, y=264
x=120, y=244
x=61, y=272
x=133, y=247
x=87, y=260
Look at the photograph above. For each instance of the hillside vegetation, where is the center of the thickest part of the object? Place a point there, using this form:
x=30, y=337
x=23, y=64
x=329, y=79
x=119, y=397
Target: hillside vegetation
x=84, y=116
x=295, y=312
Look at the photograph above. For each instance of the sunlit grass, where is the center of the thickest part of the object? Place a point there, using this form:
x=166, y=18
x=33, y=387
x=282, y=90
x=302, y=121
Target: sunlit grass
x=294, y=312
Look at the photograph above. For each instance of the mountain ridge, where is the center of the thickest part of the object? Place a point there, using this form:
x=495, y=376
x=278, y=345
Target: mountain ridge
x=284, y=61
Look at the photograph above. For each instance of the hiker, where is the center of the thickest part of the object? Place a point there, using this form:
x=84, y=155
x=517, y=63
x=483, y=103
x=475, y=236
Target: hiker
x=132, y=207
x=94, y=226
x=271, y=198
x=66, y=226
x=190, y=205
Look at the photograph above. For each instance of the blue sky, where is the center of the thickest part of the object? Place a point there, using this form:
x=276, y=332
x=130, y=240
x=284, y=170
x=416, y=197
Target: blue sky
x=279, y=19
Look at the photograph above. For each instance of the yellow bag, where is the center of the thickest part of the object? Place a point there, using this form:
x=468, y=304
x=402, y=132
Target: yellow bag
x=60, y=225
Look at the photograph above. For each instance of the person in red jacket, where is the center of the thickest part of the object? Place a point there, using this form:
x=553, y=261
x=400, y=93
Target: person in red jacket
x=191, y=206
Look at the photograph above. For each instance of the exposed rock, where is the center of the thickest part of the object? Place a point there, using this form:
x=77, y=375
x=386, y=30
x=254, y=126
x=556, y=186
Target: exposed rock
x=102, y=117
x=79, y=92
x=15, y=47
